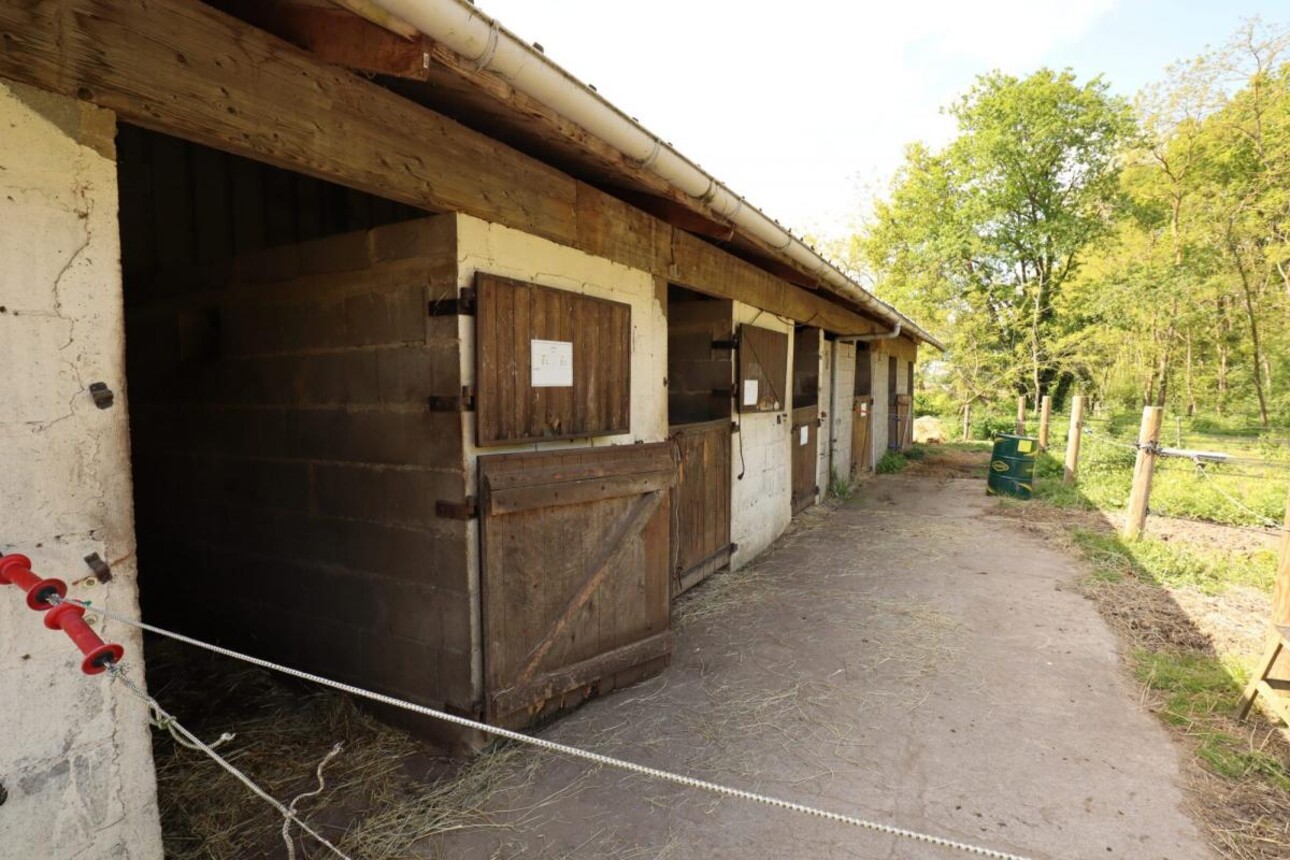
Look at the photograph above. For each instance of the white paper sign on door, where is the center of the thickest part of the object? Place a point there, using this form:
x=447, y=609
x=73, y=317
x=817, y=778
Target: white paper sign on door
x=552, y=363
x=750, y=392
x=803, y=435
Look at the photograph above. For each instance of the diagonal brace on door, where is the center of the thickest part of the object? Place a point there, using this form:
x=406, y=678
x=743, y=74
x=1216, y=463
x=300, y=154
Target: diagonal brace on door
x=597, y=570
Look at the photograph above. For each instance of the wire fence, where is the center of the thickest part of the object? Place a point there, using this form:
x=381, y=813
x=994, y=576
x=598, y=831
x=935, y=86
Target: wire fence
x=164, y=720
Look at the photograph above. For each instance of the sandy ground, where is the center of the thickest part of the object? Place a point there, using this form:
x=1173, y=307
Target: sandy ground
x=908, y=658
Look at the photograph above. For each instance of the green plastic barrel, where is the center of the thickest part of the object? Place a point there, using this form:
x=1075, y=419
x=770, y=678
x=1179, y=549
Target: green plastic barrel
x=1012, y=466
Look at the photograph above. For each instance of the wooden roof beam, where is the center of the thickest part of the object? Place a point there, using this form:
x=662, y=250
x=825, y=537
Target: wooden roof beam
x=340, y=36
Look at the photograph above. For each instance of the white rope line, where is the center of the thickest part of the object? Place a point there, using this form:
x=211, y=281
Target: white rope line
x=1216, y=487
x=540, y=743
x=322, y=785
x=164, y=719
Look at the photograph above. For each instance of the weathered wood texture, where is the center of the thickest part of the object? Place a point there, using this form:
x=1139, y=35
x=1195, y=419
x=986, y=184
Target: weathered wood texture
x=700, y=360
x=1073, y=438
x=763, y=360
x=903, y=418
x=805, y=428
x=700, y=502
x=864, y=370
x=575, y=585
x=187, y=210
x=294, y=450
x=861, y=412
x=806, y=366
x=1144, y=467
x=1045, y=418
x=509, y=408
x=186, y=69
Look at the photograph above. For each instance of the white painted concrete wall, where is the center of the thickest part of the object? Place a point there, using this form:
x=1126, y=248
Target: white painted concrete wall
x=498, y=250
x=761, y=500
x=840, y=415
x=823, y=441
x=75, y=753
x=880, y=421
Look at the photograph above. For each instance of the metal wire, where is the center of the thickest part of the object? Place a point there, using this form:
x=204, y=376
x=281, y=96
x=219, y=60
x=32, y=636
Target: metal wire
x=163, y=719
x=540, y=743
x=1270, y=523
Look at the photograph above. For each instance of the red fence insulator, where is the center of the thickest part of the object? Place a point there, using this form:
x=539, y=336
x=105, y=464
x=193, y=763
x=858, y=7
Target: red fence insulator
x=70, y=619
x=16, y=570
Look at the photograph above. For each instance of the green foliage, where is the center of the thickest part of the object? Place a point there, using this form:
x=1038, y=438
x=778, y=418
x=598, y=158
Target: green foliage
x=1197, y=687
x=1174, y=565
x=890, y=463
x=979, y=238
x=840, y=487
x=1064, y=241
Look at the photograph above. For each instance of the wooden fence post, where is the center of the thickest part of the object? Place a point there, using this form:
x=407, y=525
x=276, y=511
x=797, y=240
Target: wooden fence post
x=1073, y=438
x=1143, y=467
x=1045, y=413
x=1281, y=588
x=1021, y=415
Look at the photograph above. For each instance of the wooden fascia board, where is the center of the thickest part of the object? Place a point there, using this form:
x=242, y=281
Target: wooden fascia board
x=182, y=68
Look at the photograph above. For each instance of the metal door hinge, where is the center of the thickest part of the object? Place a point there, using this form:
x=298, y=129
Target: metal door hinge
x=732, y=343
x=463, y=305
x=98, y=567
x=464, y=402
x=467, y=510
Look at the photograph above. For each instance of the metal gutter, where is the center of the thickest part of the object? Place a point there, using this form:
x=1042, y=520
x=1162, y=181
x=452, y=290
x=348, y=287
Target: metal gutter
x=479, y=39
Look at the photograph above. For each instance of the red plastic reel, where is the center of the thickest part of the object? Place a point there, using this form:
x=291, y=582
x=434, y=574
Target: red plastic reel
x=70, y=619
x=16, y=570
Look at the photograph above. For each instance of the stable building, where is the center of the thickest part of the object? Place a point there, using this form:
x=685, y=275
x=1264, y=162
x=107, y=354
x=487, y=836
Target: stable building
x=377, y=345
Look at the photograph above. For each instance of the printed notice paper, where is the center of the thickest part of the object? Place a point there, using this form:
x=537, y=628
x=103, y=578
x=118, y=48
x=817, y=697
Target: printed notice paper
x=552, y=363
x=750, y=392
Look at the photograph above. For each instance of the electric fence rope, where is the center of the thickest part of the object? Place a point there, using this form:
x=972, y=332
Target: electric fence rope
x=163, y=719
x=1232, y=500
x=540, y=743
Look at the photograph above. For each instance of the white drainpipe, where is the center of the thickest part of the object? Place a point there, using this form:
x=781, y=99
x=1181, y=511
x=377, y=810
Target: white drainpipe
x=465, y=30
x=865, y=338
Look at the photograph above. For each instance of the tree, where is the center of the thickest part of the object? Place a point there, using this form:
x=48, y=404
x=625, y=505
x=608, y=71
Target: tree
x=981, y=237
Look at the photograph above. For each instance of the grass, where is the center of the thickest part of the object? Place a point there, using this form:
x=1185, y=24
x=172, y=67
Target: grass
x=891, y=463
x=1174, y=565
x=1237, y=495
x=1198, y=694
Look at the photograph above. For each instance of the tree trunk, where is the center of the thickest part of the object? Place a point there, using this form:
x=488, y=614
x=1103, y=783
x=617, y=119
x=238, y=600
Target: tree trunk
x=1252, y=320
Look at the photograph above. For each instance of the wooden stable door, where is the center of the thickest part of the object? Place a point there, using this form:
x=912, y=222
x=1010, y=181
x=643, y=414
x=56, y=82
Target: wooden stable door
x=700, y=502
x=574, y=570
x=861, y=448
x=805, y=429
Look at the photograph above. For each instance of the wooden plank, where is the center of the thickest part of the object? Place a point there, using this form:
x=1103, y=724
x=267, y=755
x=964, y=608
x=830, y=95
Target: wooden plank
x=583, y=673
x=637, y=516
x=599, y=331
x=700, y=500
x=184, y=68
x=763, y=358
x=805, y=418
x=516, y=499
x=614, y=461
x=338, y=36
x=725, y=276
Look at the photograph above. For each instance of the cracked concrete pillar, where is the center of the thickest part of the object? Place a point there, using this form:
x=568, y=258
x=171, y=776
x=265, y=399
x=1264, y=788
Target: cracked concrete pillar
x=75, y=755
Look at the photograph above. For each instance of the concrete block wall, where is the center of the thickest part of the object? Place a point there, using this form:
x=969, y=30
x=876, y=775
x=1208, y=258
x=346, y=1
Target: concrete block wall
x=761, y=500
x=841, y=416
x=823, y=434
x=880, y=417
x=287, y=499
x=493, y=248
x=75, y=751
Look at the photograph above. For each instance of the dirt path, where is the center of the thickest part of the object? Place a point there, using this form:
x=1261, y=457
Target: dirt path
x=908, y=658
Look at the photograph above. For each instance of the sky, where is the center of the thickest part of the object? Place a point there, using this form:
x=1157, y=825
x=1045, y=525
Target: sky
x=805, y=107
